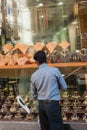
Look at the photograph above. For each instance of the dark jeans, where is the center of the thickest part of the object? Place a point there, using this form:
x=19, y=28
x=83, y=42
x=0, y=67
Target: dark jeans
x=50, y=116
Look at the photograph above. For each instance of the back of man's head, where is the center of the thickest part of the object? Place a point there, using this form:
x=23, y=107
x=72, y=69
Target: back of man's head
x=40, y=57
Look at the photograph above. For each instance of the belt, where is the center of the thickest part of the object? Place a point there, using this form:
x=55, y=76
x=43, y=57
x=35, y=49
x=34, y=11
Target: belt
x=47, y=101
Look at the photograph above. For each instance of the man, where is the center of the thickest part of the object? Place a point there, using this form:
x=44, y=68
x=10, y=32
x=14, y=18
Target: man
x=45, y=88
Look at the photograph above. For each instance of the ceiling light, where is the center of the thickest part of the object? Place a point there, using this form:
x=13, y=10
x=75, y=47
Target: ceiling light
x=42, y=16
x=65, y=16
x=64, y=28
x=75, y=22
x=41, y=4
x=60, y=3
x=6, y=17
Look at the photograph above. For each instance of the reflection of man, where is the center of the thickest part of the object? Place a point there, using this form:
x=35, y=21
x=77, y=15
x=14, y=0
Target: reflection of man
x=44, y=87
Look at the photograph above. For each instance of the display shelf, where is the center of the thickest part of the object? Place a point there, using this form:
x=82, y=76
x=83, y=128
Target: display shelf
x=30, y=66
x=69, y=64
x=27, y=70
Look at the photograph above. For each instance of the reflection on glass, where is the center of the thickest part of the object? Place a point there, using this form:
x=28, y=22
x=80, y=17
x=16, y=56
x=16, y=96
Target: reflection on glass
x=42, y=22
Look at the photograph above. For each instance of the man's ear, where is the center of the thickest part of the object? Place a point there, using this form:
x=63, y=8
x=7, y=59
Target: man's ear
x=37, y=62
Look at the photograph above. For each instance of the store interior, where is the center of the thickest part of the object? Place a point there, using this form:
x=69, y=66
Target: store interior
x=58, y=27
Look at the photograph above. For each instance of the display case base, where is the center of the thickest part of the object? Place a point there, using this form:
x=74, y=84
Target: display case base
x=14, y=125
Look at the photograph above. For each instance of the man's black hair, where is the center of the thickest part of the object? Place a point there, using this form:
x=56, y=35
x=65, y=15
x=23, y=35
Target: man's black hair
x=40, y=56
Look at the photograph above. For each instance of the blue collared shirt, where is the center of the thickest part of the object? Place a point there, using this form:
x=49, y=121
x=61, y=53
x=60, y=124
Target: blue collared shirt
x=45, y=83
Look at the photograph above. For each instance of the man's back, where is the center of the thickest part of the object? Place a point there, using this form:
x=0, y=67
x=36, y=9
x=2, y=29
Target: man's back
x=46, y=81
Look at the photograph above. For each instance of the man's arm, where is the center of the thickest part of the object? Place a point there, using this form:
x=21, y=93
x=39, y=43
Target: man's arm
x=33, y=91
x=62, y=81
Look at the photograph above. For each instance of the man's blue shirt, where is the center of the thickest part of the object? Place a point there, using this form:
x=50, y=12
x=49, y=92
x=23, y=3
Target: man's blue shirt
x=45, y=83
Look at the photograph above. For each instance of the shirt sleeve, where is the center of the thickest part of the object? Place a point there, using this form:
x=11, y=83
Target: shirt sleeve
x=33, y=90
x=61, y=81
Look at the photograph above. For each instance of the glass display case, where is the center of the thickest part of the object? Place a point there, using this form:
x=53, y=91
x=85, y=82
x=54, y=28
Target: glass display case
x=57, y=28
x=73, y=103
